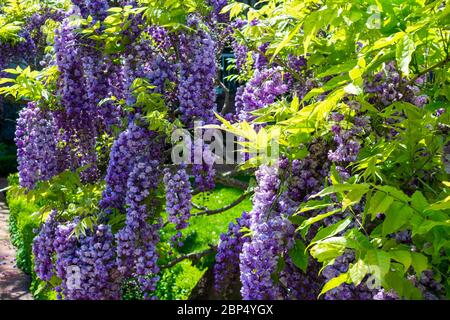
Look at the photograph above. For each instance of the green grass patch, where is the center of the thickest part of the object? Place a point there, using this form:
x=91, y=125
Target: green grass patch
x=202, y=231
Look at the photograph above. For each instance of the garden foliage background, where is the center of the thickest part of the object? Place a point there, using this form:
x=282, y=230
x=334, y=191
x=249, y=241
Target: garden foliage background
x=355, y=94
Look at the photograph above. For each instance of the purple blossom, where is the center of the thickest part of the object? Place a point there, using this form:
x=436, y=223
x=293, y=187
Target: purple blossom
x=196, y=94
x=43, y=249
x=259, y=92
x=226, y=268
x=178, y=199
x=37, y=151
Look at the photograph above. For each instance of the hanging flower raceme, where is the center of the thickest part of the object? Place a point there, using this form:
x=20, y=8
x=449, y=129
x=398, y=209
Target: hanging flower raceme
x=85, y=264
x=43, y=249
x=388, y=86
x=136, y=242
x=273, y=234
x=37, y=150
x=196, y=93
x=97, y=9
x=66, y=263
x=98, y=279
x=259, y=258
x=259, y=92
x=72, y=85
x=203, y=166
x=101, y=82
x=77, y=119
x=178, y=199
x=217, y=6
x=226, y=268
x=124, y=154
x=446, y=157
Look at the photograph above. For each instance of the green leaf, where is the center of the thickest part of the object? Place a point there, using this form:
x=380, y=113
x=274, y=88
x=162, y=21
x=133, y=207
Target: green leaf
x=317, y=218
x=403, y=287
x=419, y=262
x=357, y=271
x=286, y=40
x=390, y=40
x=234, y=8
x=313, y=205
x=334, y=283
x=402, y=256
x=42, y=285
x=345, y=67
x=331, y=84
x=418, y=201
x=353, y=197
x=328, y=249
x=338, y=188
x=356, y=73
x=379, y=203
x=332, y=230
x=397, y=215
x=404, y=51
x=115, y=9
x=394, y=192
x=299, y=255
x=295, y=104
x=423, y=226
x=440, y=205
x=378, y=262
x=296, y=219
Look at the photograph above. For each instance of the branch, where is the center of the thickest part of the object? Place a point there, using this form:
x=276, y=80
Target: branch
x=191, y=256
x=231, y=182
x=209, y=212
x=199, y=207
x=437, y=65
x=227, y=103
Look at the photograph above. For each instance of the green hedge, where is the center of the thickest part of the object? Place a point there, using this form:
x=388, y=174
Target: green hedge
x=22, y=224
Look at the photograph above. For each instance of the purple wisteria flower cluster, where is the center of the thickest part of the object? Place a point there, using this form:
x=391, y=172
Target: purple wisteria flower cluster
x=259, y=57
x=43, y=248
x=259, y=92
x=388, y=86
x=97, y=9
x=217, y=6
x=203, y=172
x=131, y=143
x=347, y=141
x=196, y=93
x=102, y=82
x=240, y=52
x=66, y=261
x=446, y=157
x=86, y=265
x=178, y=199
x=259, y=257
x=37, y=150
x=136, y=242
x=72, y=84
x=77, y=120
x=226, y=268
x=96, y=255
